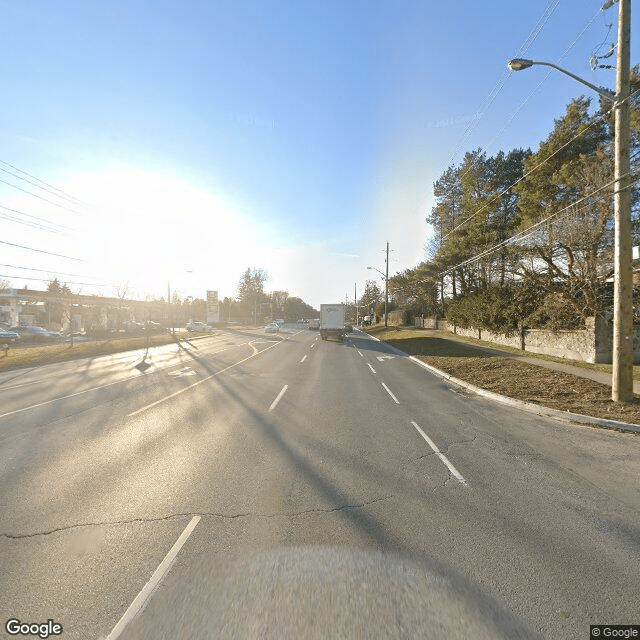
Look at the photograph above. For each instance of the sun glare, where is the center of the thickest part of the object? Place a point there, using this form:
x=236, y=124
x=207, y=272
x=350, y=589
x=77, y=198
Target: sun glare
x=148, y=230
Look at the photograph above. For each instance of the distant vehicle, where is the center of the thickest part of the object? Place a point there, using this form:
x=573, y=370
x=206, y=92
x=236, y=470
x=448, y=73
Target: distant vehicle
x=272, y=327
x=7, y=335
x=133, y=327
x=332, y=321
x=279, y=322
x=366, y=321
x=199, y=326
x=36, y=334
x=314, y=324
x=74, y=336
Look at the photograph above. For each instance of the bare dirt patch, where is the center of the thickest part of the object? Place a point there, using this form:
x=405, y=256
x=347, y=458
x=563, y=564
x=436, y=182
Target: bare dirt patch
x=514, y=378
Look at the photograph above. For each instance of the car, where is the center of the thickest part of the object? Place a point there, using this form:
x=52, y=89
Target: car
x=199, y=326
x=36, y=334
x=7, y=335
x=272, y=327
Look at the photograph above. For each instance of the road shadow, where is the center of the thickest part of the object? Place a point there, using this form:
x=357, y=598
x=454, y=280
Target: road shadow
x=300, y=451
x=252, y=333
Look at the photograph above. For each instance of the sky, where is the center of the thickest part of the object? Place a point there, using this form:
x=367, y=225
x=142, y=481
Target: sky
x=147, y=145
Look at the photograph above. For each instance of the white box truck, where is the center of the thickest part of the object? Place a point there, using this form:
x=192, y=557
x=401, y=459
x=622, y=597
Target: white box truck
x=332, y=323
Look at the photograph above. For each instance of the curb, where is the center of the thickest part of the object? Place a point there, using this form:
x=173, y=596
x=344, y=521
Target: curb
x=565, y=416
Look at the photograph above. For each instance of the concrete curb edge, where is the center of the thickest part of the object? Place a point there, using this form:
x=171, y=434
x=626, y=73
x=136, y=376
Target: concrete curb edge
x=565, y=416
x=528, y=406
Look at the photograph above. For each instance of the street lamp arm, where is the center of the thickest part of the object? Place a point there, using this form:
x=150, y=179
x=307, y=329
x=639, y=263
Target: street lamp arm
x=517, y=64
x=378, y=270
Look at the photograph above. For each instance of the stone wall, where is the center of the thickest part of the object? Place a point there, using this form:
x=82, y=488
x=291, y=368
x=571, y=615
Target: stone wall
x=397, y=318
x=591, y=344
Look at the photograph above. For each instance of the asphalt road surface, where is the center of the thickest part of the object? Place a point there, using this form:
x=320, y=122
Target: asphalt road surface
x=280, y=486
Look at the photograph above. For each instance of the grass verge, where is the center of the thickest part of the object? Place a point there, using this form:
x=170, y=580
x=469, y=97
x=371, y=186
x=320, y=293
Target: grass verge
x=472, y=362
x=18, y=357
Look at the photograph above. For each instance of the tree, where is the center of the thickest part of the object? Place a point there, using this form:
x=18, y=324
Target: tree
x=278, y=303
x=475, y=209
x=58, y=303
x=370, y=298
x=444, y=217
x=416, y=289
x=568, y=195
x=295, y=309
x=251, y=291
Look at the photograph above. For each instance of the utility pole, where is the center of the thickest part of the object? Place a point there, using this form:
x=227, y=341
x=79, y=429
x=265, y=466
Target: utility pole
x=622, y=379
x=386, y=287
x=355, y=300
x=169, y=323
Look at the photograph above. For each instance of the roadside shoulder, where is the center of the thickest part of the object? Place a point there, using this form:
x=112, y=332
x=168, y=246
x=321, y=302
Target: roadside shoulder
x=528, y=406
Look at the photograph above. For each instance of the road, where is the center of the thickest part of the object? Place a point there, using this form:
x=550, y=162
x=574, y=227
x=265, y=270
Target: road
x=280, y=486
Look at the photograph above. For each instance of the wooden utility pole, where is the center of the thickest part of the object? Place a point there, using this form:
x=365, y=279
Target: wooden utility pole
x=355, y=300
x=386, y=289
x=622, y=379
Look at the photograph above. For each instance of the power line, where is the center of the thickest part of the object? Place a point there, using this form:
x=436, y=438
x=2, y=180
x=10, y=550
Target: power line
x=85, y=284
x=47, y=186
x=473, y=215
x=37, y=223
x=522, y=49
x=35, y=184
x=602, y=116
x=531, y=230
x=58, y=255
x=493, y=94
x=35, y=195
x=57, y=273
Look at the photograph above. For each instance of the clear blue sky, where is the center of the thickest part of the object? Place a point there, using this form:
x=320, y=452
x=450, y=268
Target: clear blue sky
x=298, y=137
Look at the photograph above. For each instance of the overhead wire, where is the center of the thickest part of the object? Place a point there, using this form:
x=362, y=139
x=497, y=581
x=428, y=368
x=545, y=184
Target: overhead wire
x=595, y=121
x=61, y=273
x=537, y=88
x=540, y=84
x=493, y=94
x=60, y=195
x=35, y=195
x=528, y=173
x=35, y=221
x=531, y=230
x=47, y=187
x=84, y=284
x=58, y=255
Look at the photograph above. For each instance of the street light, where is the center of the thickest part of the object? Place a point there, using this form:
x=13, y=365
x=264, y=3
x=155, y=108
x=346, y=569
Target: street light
x=622, y=375
x=386, y=291
x=518, y=64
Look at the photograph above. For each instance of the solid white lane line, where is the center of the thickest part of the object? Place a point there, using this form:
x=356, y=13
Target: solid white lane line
x=195, y=384
x=141, y=600
x=102, y=386
x=303, y=358
x=313, y=345
x=372, y=369
x=71, y=395
x=360, y=354
x=389, y=392
x=442, y=457
x=278, y=398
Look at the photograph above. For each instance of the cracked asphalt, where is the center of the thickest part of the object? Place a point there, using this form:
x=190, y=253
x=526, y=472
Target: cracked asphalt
x=325, y=515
